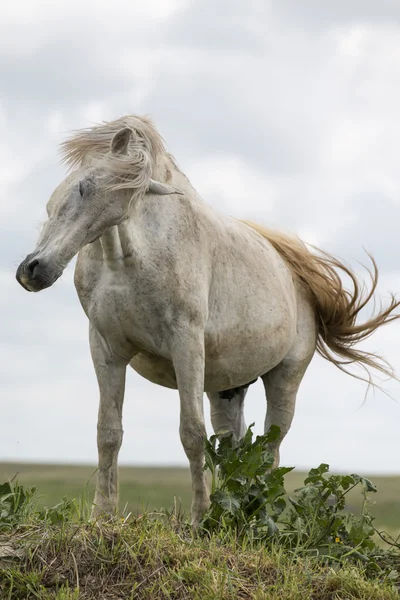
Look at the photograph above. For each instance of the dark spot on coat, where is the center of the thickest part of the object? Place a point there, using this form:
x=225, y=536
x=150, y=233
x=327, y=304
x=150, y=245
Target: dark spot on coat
x=168, y=174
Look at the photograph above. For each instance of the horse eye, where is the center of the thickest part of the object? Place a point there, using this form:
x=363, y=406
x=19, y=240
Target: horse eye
x=81, y=189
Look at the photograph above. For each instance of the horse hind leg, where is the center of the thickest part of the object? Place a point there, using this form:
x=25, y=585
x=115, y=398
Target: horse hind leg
x=282, y=383
x=227, y=412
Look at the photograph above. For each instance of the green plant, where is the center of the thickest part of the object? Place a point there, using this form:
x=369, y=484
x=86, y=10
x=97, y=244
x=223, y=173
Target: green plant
x=245, y=494
x=249, y=498
x=318, y=521
x=15, y=503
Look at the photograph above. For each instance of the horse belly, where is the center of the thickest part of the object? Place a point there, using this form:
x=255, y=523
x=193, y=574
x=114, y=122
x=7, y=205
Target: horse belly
x=250, y=332
x=239, y=359
x=251, y=325
x=228, y=364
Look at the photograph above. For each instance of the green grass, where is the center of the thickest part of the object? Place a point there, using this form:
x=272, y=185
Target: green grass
x=151, y=557
x=155, y=487
x=59, y=554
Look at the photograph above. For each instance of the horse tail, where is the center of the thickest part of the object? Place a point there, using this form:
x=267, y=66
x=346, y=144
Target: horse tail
x=336, y=308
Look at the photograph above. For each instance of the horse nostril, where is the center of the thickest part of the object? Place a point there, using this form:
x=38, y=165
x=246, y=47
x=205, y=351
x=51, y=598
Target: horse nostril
x=31, y=267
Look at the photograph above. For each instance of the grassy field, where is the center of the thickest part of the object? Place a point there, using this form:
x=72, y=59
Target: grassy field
x=156, y=487
x=60, y=555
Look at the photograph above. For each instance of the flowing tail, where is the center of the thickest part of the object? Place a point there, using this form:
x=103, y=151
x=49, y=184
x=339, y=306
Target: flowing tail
x=336, y=308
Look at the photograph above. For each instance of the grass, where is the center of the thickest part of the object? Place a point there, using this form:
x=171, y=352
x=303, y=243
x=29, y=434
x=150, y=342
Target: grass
x=155, y=487
x=154, y=556
x=60, y=554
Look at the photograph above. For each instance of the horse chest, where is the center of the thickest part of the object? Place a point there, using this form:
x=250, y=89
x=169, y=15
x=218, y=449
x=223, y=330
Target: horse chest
x=126, y=318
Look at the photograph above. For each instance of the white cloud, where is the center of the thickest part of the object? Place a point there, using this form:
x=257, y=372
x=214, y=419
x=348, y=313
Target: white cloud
x=230, y=181
x=276, y=113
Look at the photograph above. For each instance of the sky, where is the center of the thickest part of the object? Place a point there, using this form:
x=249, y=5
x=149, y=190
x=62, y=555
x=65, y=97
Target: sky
x=281, y=112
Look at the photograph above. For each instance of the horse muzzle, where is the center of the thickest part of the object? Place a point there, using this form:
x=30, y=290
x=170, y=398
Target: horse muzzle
x=36, y=274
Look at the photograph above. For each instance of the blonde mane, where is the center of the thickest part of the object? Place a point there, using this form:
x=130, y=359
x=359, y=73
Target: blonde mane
x=96, y=140
x=336, y=308
x=131, y=171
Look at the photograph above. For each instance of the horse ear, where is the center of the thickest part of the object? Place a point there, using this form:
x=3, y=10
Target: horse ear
x=162, y=189
x=120, y=141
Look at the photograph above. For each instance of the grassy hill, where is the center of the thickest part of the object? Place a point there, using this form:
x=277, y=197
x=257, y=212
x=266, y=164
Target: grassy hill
x=59, y=554
x=155, y=558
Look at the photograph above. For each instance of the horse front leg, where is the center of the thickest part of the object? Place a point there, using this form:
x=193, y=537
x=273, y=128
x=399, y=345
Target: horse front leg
x=188, y=360
x=110, y=373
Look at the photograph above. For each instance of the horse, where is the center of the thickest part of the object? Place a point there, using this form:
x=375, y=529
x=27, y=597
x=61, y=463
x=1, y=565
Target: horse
x=191, y=299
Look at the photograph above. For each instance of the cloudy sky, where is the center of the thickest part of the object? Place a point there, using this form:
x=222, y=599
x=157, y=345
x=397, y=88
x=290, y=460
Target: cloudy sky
x=281, y=111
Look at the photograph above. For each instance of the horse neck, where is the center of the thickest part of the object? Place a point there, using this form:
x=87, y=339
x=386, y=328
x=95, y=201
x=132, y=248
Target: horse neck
x=111, y=245
x=167, y=171
x=117, y=243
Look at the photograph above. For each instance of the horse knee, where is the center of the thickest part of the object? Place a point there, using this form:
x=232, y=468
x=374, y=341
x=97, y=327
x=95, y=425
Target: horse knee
x=109, y=442
x=192, y=435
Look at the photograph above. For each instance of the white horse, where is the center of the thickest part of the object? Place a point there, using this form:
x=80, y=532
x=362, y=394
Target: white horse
x=190, y=298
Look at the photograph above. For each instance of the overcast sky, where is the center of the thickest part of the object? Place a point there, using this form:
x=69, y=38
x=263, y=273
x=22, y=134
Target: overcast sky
x=282, y=111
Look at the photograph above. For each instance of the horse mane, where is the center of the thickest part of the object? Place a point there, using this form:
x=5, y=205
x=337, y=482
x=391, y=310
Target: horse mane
x=96, y=140
x=335, y=307
x=129, y=171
